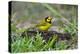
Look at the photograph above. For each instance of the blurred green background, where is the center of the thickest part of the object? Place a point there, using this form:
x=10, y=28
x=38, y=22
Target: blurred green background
x=27, y=14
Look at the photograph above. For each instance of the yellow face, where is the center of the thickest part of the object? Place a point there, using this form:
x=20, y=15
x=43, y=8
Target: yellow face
x=49, y=19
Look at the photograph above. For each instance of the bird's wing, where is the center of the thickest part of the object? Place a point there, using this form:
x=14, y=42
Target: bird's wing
x=41, y=24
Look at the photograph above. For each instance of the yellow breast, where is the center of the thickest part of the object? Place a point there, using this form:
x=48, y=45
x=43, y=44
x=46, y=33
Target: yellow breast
x=44, y=28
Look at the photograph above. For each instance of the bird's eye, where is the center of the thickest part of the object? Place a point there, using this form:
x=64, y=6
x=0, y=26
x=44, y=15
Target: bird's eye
x=48, y=20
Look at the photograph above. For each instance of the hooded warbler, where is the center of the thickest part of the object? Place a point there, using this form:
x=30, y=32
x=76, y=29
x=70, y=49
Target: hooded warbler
x=45, y=24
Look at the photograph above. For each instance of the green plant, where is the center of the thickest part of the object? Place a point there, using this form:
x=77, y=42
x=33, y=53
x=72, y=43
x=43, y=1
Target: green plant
x=35, y=43
x=71, y=28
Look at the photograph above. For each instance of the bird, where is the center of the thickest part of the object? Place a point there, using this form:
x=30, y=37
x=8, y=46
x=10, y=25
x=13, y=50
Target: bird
x=44, y=24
